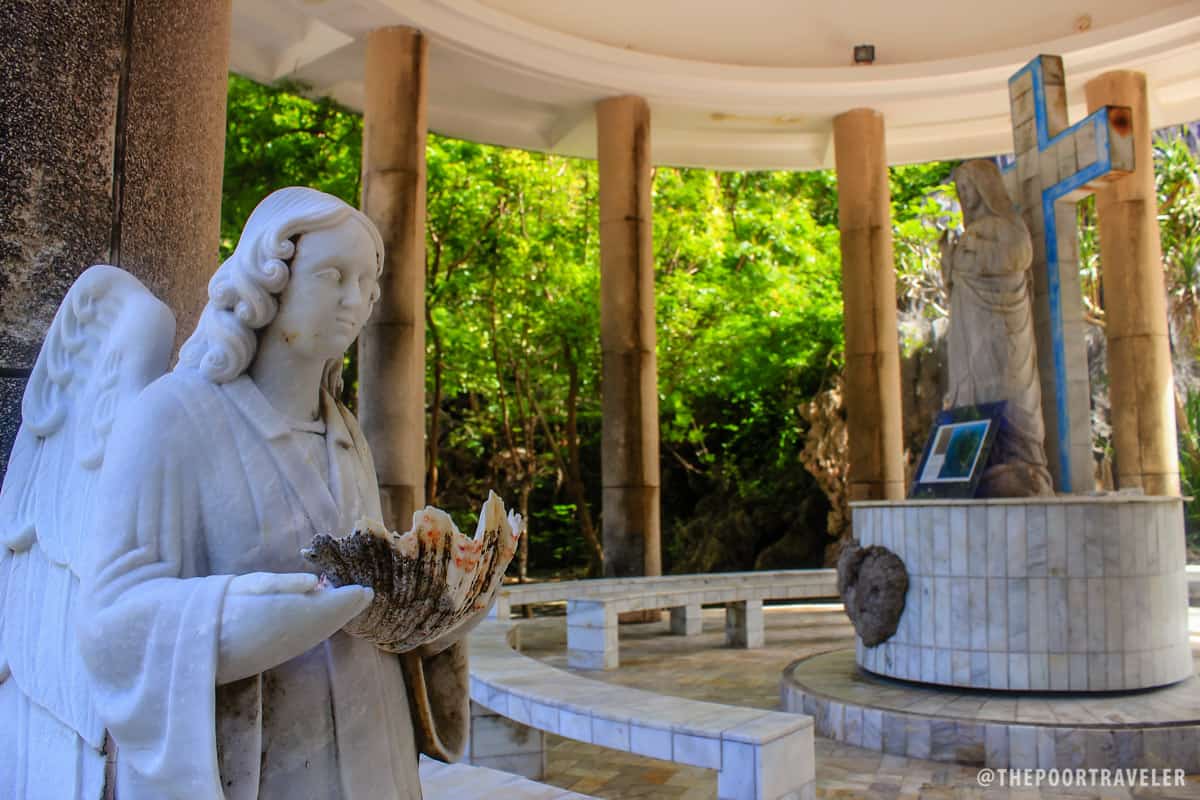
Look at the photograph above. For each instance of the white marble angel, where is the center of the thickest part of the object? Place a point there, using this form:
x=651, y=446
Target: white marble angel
x=161, y=635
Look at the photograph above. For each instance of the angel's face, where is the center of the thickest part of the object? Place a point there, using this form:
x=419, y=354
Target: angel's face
x=331, y=290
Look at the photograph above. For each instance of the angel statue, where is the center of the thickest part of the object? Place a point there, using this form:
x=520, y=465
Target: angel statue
x=993, y=351
x=161, y=635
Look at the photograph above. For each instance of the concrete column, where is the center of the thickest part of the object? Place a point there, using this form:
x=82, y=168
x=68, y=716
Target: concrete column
x=501, y=609
x=1141, y=383
x=592, y=639
x=391, y=349
x=687, y=620
x=500, y=743
x=744, y=625
x=629, y=449
x=113, y=152
x=873, y=408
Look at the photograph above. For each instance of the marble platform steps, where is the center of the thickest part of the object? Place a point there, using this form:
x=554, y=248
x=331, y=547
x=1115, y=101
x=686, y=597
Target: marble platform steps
x=758, y=754
x=465, y=782
x=1157, y=728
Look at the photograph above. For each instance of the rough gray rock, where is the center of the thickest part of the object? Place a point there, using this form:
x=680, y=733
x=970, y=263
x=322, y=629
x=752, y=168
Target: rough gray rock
x=872, y=582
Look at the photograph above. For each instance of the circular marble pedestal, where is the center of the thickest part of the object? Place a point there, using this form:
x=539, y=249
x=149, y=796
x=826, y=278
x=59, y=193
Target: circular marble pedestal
x=1070, y=593
x=1156, y=728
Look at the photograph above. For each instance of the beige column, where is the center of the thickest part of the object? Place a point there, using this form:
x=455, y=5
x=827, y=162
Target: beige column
x=1141, y=383
x=629, y=449
x=873, y=408
x=114, y=153
x=391, y=349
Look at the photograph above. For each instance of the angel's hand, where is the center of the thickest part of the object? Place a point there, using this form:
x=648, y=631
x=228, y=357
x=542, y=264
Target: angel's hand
x=273, y=583
x=269, y=618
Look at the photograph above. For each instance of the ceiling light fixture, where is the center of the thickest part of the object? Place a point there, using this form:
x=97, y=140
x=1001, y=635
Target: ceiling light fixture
x=864, y=54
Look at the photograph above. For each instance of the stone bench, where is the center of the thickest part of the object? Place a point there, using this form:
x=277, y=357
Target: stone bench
x=441, y=781
x=592, y=639
x=758, y=755
x=512, y=595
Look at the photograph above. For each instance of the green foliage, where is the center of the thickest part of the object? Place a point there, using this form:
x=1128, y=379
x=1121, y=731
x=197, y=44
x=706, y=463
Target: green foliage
x=275, y=137
x=749, y=315
x=924, y=207
x=512, y=288
x=1189, y=465
x=749, y=326
x=1177, y=184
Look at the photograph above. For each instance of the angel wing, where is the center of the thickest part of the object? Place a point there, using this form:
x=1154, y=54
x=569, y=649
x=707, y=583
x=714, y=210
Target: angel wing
x=109, y=339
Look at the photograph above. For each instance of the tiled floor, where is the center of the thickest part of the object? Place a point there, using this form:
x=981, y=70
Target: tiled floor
x=702, y=668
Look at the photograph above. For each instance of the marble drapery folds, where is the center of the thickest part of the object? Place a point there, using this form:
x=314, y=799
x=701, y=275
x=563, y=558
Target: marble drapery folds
x=993, y=351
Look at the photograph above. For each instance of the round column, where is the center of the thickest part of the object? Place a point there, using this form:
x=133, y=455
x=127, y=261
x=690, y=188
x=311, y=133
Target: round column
x=391, y=349
x=111, y=151
x=1141, y=380
x=873, y=407
x=629, y=443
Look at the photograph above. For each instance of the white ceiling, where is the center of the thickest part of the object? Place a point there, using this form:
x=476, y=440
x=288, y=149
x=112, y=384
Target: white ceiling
x=742, y=85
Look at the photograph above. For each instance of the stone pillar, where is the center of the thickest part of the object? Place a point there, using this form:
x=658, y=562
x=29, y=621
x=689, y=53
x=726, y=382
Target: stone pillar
x=1141, y=383
x=391, y=349
x=744, y=625
x=629, y=450
x=501, y=609
x=592, y=637
x=873, y=408
x=687, y=620
x=112, y=136
x=501, y=743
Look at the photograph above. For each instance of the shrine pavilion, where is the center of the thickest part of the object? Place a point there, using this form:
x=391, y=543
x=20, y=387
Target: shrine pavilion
x=113, y=115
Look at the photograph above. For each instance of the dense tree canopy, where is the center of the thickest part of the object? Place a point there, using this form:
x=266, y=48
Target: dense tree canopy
x=749, y=321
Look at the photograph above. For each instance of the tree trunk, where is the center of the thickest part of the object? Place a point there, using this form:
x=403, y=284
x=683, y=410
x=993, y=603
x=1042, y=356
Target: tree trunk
x=523, y=545
x=435, y=409
x=569, y=466
x=575, y=487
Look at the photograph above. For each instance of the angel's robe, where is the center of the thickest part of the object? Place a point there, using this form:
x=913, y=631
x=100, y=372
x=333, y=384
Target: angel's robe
x=201, y=483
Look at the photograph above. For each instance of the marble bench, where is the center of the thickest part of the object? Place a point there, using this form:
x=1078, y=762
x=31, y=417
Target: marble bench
x=521, y=594
x=592, y=640
x=758, y=755
x=441, y=781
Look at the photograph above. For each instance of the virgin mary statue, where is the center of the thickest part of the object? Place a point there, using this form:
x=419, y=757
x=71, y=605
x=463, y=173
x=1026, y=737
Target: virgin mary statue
x=993, y=351
x=158, y=615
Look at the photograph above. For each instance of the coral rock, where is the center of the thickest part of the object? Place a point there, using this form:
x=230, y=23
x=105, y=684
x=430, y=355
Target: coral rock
x=872, y=582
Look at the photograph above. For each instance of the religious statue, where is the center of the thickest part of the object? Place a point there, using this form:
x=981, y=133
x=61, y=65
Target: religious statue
x=156, y=612
x=993, y=353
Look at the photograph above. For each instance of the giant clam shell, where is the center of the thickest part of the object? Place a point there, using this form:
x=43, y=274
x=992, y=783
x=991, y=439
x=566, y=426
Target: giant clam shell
x=427, y=581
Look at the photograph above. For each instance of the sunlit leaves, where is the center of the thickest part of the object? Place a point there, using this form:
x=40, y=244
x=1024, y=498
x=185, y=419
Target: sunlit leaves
x=275, y=137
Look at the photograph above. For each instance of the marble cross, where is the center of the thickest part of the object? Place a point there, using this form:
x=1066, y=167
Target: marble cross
x=1057, y=165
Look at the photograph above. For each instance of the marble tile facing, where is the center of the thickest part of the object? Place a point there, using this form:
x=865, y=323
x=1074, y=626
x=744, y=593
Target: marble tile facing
x=1036, y=544
x=1017, y=565
x=977, y=541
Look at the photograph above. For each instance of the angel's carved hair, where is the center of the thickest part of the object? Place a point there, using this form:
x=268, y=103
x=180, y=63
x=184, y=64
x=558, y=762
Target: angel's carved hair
x=243, y=293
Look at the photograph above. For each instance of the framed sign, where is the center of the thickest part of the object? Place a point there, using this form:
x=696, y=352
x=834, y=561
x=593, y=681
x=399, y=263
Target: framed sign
x=957, y=451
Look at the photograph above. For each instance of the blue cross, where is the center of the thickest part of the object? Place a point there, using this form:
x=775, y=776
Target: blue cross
x=1057, y=163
